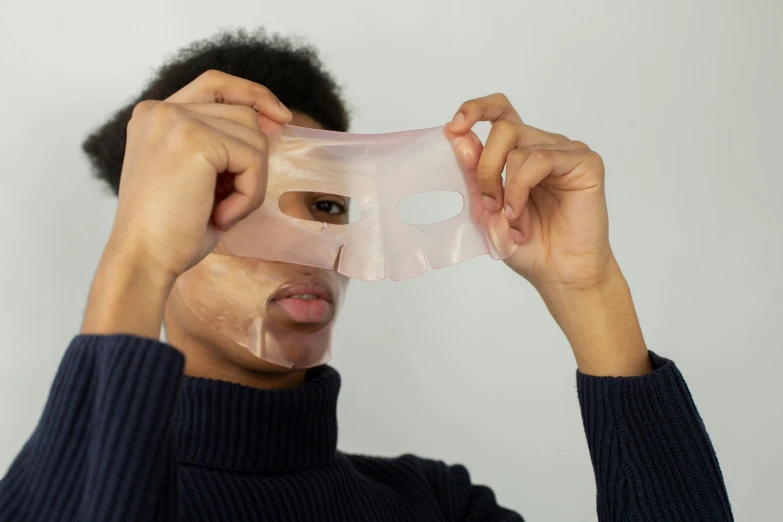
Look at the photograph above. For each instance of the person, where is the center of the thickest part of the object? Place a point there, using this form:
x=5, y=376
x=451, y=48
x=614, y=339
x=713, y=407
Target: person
x=198, y=428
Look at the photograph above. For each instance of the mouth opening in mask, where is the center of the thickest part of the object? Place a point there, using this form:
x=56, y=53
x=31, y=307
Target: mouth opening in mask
x=304, y=306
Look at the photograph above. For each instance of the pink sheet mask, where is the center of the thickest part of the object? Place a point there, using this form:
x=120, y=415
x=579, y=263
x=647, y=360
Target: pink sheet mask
x=232, y=295
x=376, y=171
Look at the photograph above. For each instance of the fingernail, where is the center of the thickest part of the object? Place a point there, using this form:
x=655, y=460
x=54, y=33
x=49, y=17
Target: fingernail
x=490, y=203
x=285, y=109
x=458, y=118
x=517, y=236
x=509, y=212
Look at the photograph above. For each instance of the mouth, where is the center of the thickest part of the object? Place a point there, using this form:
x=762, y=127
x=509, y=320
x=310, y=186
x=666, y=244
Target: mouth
x=306, y=303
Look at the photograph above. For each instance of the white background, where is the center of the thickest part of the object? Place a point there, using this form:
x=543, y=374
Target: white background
x=682, y=98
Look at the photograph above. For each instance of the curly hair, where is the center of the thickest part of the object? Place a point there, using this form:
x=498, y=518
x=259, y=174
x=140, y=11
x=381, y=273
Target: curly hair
x=291, y=69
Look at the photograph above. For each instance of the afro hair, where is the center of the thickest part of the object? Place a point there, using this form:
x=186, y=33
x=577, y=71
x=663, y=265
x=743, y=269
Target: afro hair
x=291, y=70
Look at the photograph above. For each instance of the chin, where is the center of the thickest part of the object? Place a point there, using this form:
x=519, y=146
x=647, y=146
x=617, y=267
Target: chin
x=267, y=345
x=255, y=315
x=238, y=355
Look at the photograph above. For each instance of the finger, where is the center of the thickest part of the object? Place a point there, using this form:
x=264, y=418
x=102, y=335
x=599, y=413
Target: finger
x=521, y=231
x=569, y=145
x=529, y=136
x=501, y=141
x=252, y=137
x=525, y=225
x=495, y=108
x=531, y=167
x=242, y=115
x=232, y=155
x=218, y=87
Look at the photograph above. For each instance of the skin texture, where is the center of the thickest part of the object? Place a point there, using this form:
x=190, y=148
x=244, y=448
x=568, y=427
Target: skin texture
x=184, y=151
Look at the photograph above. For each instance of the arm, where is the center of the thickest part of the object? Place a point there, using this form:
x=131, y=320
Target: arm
x=103, y=448
x=459, y=499
x=651, y=454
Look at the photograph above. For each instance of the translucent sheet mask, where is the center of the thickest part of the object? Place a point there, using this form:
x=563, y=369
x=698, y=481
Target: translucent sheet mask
x=232, y=296
x=230, y=289
x=376, y=171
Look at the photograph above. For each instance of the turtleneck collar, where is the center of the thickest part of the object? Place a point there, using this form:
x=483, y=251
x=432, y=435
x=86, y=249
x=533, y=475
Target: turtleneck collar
x=234, y=427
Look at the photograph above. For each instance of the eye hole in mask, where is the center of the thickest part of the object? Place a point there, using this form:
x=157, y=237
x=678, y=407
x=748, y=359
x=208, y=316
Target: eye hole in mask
x=331, y=209
x=428, y=208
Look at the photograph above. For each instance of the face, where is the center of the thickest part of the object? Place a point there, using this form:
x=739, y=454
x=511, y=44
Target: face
x=230, y=291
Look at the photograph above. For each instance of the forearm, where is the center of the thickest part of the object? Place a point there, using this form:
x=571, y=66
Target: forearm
x=651, y=454
x=601, y=325
x=641, y=424
x=127, y=296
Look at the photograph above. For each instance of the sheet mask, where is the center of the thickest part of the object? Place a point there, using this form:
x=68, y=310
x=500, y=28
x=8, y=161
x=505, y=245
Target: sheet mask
x=376, y=172
x=231, y=294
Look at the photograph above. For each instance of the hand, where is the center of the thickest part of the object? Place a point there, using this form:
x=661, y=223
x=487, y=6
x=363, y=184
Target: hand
x=191, y=166
x=553, y=196
x=555, y=203
x=175, y=152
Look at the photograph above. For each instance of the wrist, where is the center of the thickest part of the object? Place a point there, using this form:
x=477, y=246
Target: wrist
x=128, y=296
x=601, y=325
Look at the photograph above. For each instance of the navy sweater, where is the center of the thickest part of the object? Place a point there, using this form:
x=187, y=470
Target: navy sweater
x=125, y=437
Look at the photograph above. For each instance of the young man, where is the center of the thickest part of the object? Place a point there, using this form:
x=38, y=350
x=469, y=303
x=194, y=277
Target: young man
x=201, y=429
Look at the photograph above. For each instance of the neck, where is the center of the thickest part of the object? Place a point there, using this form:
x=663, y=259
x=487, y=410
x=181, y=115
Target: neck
x=207, y=359
x=226, y=426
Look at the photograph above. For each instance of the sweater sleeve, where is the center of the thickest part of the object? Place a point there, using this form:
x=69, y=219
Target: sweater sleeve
x=103, y=448
x=652, y=457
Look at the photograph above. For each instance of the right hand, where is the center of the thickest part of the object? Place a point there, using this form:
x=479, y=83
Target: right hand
x=177, y=149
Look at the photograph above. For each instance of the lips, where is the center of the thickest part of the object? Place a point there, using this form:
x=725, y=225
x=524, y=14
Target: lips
x=306, y=303
x=309, y=289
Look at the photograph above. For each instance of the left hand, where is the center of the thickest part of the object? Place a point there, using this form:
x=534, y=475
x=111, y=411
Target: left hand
x=555, y=204
x=553, y=197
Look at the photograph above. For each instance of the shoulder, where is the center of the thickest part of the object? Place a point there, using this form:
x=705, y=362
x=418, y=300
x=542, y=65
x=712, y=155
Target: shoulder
x=449, y=485
x=408, y=464
x=393, y=468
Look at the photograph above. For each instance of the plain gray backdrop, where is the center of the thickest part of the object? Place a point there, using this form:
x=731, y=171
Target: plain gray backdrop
x=682, y=99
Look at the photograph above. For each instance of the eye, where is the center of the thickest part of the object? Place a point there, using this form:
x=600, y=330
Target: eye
x=328, y=207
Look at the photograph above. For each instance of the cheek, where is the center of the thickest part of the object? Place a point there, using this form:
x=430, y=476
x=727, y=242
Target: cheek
x=228, y=291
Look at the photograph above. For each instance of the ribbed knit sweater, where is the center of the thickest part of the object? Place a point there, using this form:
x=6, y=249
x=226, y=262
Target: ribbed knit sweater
x=124, y=436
